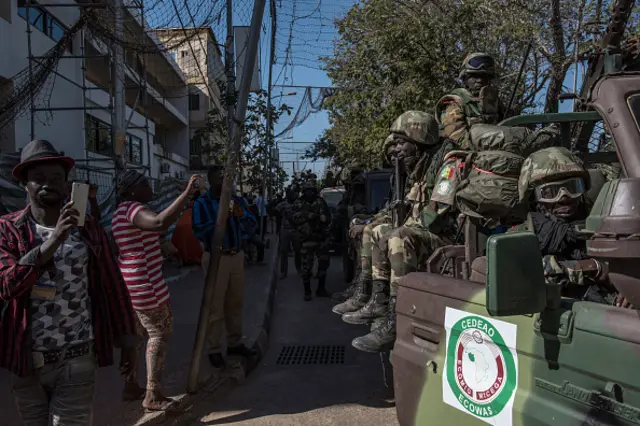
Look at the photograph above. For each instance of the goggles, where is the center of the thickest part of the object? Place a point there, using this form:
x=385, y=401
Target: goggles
x=480, y=62
x=552, y=192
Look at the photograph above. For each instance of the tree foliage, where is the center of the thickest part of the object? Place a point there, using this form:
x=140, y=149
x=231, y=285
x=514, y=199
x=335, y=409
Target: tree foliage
x=256, y=143
x=397, y=55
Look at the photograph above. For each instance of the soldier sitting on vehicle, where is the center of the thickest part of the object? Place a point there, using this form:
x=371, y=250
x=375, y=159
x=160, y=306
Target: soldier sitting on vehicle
x=476, y=102
x=359, y=235
x=555, y=182
x=398, y=251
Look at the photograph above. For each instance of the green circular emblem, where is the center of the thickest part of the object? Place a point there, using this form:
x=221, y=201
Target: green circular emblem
x=444, y=187
x=481, y=371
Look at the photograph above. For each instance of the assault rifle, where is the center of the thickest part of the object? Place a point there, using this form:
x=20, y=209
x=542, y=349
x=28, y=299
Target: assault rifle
x=398, y=211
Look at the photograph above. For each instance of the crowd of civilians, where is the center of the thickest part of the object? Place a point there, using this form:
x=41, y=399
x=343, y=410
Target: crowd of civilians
x=67, y=300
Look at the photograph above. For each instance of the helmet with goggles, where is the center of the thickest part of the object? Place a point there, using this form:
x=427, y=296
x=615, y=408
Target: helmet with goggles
x=552, y=173
x=478, y=64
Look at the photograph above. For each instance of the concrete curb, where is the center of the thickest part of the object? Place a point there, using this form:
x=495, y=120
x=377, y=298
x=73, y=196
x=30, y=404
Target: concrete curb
x=218, y=385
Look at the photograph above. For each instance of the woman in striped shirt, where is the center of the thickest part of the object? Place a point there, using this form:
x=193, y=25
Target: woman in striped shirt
x=136, y=231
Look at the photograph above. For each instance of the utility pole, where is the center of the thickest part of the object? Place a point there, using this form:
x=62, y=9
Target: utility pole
x=119, y=105
x=267, y=160
x=229, y=175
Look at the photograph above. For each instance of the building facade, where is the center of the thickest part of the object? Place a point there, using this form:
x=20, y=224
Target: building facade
x=74, y=108
x=200, y=60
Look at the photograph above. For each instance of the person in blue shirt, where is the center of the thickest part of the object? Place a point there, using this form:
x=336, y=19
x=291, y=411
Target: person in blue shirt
x=228, y=298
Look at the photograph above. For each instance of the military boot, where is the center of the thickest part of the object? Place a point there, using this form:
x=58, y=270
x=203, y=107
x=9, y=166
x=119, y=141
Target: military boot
x=376, y=306
x=307, y=290
x=358, y=300
x=321, y=291
x=349, y=292
x=382, y=338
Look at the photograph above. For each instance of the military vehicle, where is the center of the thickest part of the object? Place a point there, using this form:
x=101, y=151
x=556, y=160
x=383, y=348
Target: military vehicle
x=370, y=200
x=514, y=352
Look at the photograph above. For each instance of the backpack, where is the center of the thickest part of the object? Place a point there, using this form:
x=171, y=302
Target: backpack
x=485, y=108
x=488, y=187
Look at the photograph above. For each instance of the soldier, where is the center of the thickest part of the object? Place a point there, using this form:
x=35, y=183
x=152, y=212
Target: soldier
x=288, y=236
x=311, y=218
x=421, y=152
x=476, y=102
x=360, y=235
x=400, y=251
x=556, y=182
x=329, y=180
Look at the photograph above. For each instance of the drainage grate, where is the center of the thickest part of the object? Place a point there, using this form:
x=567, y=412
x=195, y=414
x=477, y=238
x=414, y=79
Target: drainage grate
x=318, y=354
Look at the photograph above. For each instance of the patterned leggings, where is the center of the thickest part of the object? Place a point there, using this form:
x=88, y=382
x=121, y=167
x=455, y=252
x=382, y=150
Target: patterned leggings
x=156, y=326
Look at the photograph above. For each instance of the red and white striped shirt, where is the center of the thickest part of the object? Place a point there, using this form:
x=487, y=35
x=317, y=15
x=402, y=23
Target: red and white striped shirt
x=140, y=259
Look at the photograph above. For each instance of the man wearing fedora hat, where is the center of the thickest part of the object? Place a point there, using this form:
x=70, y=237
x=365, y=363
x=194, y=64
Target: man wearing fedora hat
x=63, y=302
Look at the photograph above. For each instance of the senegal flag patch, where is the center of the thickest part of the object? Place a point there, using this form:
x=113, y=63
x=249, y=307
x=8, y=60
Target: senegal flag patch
x=447, y=173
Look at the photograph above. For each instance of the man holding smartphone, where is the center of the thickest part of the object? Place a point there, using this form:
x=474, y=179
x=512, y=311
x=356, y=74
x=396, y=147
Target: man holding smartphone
x=63, y=302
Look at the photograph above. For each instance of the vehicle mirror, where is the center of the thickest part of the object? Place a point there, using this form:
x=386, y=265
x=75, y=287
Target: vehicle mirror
x=515, y=278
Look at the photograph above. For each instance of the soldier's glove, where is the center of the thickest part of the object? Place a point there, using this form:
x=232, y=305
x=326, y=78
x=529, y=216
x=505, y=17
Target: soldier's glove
x=323, y=219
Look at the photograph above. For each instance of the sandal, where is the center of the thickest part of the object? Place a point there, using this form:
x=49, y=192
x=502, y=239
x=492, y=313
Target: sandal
x=167, y=405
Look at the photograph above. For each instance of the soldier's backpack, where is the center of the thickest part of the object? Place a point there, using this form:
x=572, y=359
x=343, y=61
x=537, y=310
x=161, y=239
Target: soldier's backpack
x=488, y=188
x=485, y=108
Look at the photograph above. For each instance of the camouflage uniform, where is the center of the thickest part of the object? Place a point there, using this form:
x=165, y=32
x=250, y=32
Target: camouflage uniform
x=358, y=293
x=399, y=251
x=546, y=166
x=312, y=221
x=457, y=111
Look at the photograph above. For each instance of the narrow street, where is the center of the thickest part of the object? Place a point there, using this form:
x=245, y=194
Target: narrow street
x=335, y=389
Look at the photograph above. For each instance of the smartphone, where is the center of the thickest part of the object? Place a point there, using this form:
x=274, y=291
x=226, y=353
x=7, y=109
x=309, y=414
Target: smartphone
x=80, y=197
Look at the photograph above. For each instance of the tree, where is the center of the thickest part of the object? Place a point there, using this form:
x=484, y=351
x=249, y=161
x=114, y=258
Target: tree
x=255, y=143
x=397, y=55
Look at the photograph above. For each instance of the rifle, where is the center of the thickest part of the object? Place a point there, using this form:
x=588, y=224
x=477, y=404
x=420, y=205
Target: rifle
x=398, y=213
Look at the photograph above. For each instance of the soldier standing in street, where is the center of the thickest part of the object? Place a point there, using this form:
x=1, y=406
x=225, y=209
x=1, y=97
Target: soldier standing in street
x=311, y=218
x=288, y=236
x=476, y=102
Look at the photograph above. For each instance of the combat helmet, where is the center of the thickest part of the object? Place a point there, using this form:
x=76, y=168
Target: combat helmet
x=549, y=165
x=478, y=63
x=388, y=141
x=420, y=127
x=310, y=184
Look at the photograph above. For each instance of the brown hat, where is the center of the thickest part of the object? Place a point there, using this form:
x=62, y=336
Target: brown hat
x=36, y=152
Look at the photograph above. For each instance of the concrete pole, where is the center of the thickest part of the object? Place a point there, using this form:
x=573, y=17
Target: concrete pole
x=119, y=105
x=225, y=198
x=269, y=142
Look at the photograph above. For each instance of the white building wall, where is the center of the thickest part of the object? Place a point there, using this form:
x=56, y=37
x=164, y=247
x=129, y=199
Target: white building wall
x=65, y=129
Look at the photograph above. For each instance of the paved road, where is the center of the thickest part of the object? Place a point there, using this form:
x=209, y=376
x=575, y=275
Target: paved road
x=346, y=394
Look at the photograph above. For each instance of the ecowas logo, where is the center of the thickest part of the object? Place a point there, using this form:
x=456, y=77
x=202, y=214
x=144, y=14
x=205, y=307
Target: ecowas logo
x=481, y=369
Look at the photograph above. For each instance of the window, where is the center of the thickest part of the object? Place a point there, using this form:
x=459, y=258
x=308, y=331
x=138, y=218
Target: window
x=134, y=149
x=42, y=20
x=194, y=102
x=183, y=53
x=98, y=136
